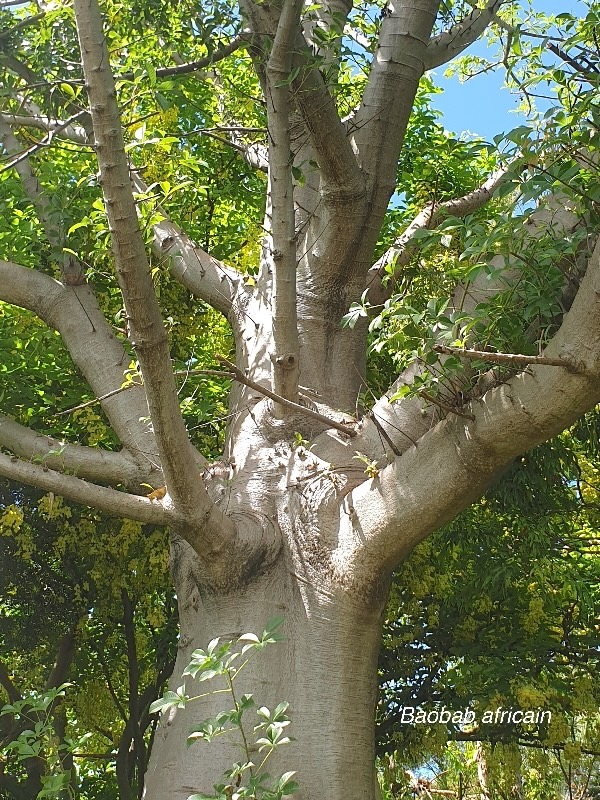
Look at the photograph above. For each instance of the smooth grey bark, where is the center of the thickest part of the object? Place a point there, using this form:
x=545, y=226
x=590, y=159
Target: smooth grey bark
x=272, y=529
x=326, y=670
x=285, y=356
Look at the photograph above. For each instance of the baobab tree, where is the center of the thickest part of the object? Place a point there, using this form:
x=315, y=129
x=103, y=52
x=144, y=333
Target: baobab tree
x=314, y=501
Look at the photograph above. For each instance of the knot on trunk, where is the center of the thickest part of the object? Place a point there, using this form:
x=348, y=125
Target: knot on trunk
x=287, y=361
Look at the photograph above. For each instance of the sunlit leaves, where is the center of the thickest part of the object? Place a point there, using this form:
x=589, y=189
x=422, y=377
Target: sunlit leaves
x=499, y=609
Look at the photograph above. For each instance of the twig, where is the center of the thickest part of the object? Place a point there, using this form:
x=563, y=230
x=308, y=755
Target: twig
x=234, y=374
x=97, y=399
x=46, y=141
x=445, y=406
x=512, y=359
x=382, y=432
x=237, y=375
x=23, y=23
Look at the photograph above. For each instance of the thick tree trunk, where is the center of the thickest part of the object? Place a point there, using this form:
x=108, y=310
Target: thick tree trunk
x=325, y=669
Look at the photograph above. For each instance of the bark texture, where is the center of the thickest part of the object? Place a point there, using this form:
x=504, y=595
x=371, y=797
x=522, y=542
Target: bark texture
x=288, y=525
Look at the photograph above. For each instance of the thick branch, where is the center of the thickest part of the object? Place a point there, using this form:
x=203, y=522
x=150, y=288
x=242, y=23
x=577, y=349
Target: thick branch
x=149, y=336
x=206, y=277
x=64, y=659
x=400, y=253
x=338, y=165
x=59, y=128
x=329, y=18
x=18, y=67
x=110, y=501
x=396, y=69
x=9, y=687
x=72, y=270
x=448, y=45
x=453, y=464
x=407, y=419
x=285, y=321
x=340, y=171
x=90, y=463
x=96, y=352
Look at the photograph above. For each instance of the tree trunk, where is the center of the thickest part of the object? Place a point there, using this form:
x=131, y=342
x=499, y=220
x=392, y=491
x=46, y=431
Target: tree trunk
x=482, y=772
x=326, y=669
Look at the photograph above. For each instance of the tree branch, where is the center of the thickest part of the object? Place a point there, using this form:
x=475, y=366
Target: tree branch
x=149, y=337
x=90, y=463
x=329, y=18
x=59, y=128
x=408, y=419
x=588, y=71
x=254, y=153
x=71, y=268
x=206, y=277
x=110, y=501
x=96, y=352
x=340, y=171
x=338, y=164
x=396, y=69
x=16, y=789
x=507, y=359
x=236, y=374
x=200, y=273
x=22, y=23
x=63, y=661
x=285, y=321
x=11, y=690
x=448, y=45
x=403, y=249
x=133, y=732
x=21, y=155
x=194, y=66
x=162, y=72
x=18, y=67
x=459, y=459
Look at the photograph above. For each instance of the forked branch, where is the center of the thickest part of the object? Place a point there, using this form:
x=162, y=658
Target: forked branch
x=149, y=336
x=338, y=165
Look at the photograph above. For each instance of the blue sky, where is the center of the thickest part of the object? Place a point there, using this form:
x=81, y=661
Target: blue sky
x=482, y=105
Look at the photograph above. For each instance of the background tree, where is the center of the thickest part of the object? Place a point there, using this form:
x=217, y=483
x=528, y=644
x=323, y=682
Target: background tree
x=87, y=603
x=499, y=609
x=315, y=500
